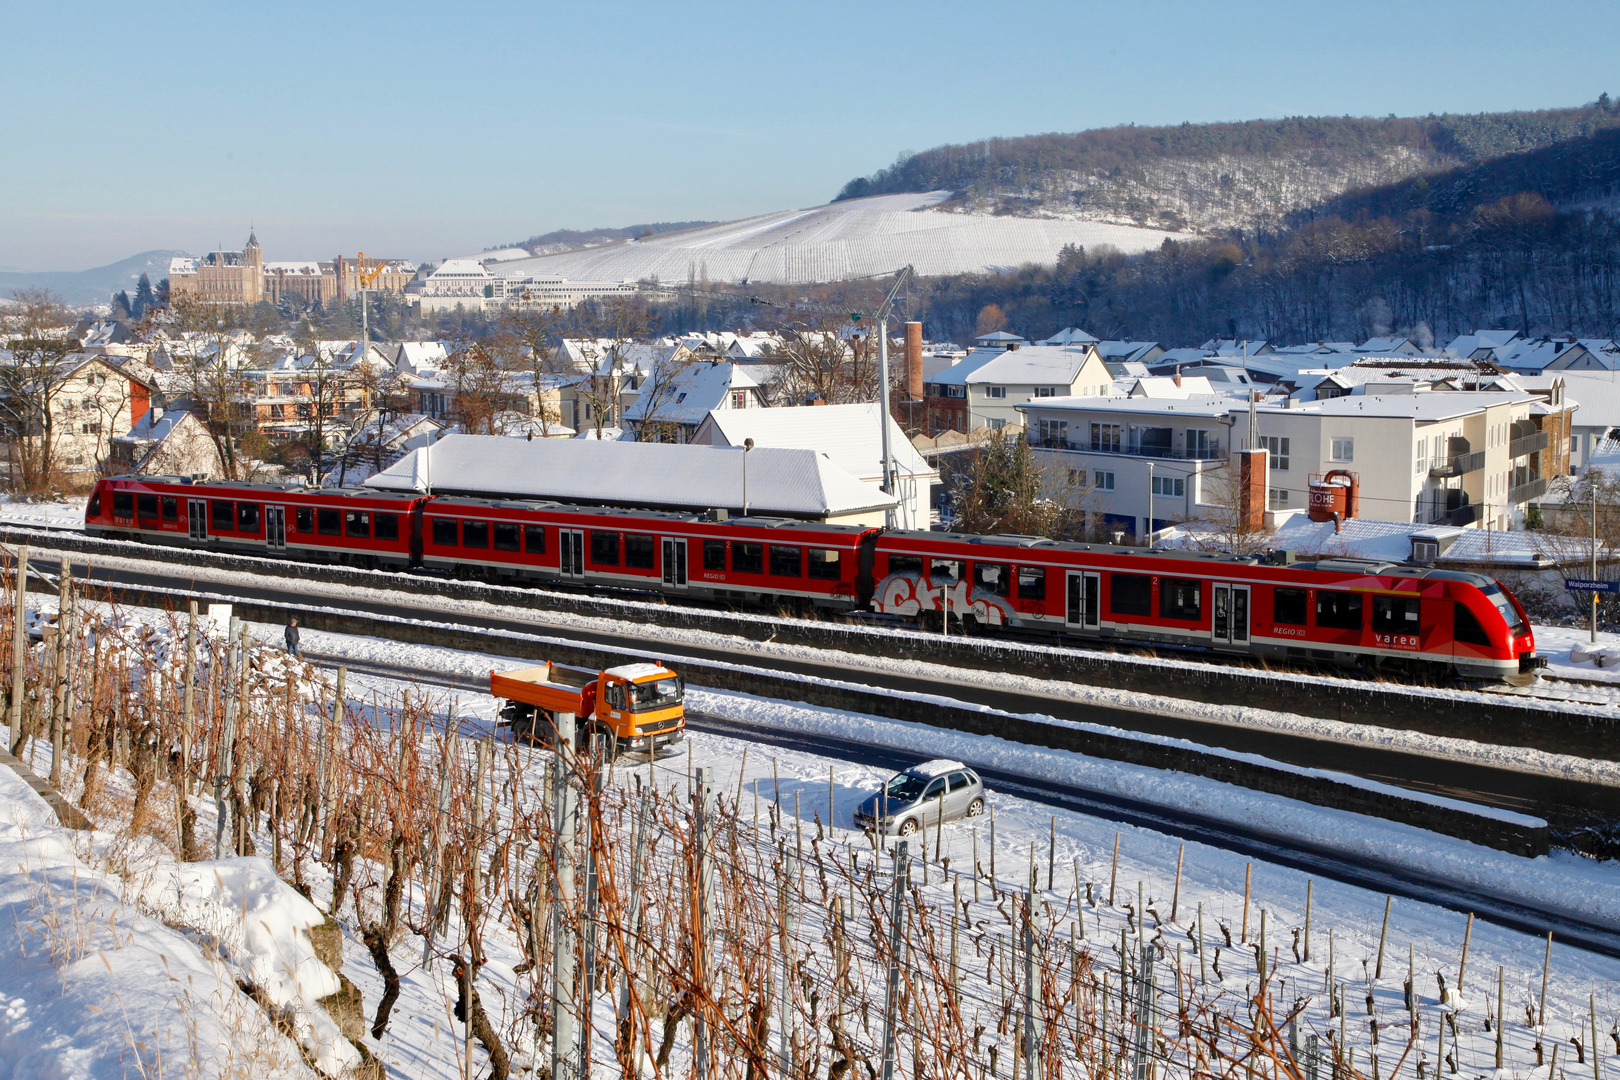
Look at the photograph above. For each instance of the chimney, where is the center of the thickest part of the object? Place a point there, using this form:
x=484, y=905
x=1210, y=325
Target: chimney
x=1178, y=375
x=1253, y=468
x=914, y=372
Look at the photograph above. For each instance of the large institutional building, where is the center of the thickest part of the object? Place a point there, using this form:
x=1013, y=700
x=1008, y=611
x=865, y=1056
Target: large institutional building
x=243, y=277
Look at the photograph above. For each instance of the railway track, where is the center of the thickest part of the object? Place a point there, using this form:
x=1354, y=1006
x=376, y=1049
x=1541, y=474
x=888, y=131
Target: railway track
x=1182, y=824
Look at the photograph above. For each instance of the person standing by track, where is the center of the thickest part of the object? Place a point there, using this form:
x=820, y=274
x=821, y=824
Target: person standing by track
x=291, y=636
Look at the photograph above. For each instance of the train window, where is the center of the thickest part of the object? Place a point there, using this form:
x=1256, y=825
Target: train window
x=328, y=522
x=247, y=517
x=1032, y=583
x=221, y=515
x=357, y=523
x=787, y=560
x=124, y=504
x=604, y=548
x=826, y=564
x=1181, y=598
x=171, y=508
x=304, y=520
x=714, y=555
x=146, y=506
x=1337, y=610
x=1288, y=607
x=944, y=571
x=905, y=564
x=1130, y=594
x=638, y=550
x=1395, y=614
x=475, y=534
x=386, y=526
x=534, y=539
x=1466, y=626
x=444, y=532
x=991, y=578
x=1493, y=592
x=747, y=558
x=94, y=509
x=508, y=536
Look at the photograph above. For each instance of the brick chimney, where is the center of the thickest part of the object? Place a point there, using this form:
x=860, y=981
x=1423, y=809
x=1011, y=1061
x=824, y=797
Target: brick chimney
x=914, y=372
x=1253, y=466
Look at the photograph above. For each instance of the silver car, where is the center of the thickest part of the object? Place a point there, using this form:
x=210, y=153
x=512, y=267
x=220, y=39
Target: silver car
x=923, y=795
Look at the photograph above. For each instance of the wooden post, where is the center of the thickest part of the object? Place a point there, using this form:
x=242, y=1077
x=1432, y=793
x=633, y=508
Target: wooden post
x=1113, y=875
x=19, y=652
x=64, y=641
x=1051, y=855
x=1501, y=1018
x=1383, y=935
x=1546, y=966
x=1175, y=896
x=1462, y=966
x=1248, y=878
x=1309, y=885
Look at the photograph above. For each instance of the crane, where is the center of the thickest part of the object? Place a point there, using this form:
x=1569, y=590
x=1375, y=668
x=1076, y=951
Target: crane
x=366, y=271
x=881, y=318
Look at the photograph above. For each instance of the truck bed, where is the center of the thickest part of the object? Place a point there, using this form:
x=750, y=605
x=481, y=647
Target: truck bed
x=550, y=686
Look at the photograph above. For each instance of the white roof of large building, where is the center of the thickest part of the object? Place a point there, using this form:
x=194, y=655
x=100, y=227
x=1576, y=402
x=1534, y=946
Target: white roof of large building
x=1032, y=365
x=793, y=483
x=1598, y=394
x=847, y=434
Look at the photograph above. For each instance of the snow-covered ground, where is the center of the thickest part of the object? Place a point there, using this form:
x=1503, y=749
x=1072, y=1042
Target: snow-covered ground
x=139, y=977
x=1557, y=642
x=63, y=514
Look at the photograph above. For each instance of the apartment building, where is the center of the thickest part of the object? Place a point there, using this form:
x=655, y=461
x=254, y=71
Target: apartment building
x=1138, y=464
x=985, y=387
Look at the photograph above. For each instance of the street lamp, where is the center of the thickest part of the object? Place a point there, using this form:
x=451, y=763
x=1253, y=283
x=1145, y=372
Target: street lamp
x=748, y=444
x=1147, y=533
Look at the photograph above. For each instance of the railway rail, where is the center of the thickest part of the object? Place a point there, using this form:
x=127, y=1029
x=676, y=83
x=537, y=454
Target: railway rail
x=1183, y=824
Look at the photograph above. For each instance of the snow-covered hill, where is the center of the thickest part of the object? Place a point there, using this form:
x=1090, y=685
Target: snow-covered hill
x=838, y=241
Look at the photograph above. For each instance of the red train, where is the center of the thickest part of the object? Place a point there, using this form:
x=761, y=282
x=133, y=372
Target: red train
x=1347, y=611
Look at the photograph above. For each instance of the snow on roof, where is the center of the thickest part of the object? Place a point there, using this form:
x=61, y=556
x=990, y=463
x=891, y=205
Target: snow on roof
x=1165, y=386
x=453, y=267
x=1070, y=336
x=795, y=483
x=632, y=672
x=1598, y=394
x=1433, y=406
x=1113, y=351
x=936, y=767
x=1365, y=538
x=847, y=434
x=1033, y=365
x=689, y=394
x=1198, y=405
x=998, y=335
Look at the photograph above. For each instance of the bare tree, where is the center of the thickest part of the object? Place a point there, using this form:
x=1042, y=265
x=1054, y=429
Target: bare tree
x=1221, y=510
x=479, y=385
x=529, y=338
x=38, y=324
x=209, y=354
x=604, y=334
x=655, y=419
x=821, y=355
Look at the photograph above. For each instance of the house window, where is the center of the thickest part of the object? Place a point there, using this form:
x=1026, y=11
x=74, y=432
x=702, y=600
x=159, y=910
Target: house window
x=997, y=425
x=1276, y=452
x=1055, y=432
x=1197, y=443
x=995, y=392
x=1078, y=477
x=1343, y=450
x=739, y=399
x=1046, y=391
x=1102, y=481
x=1422, y=462
x=1173, y=486
x=1277, y=498
x=1105, y=438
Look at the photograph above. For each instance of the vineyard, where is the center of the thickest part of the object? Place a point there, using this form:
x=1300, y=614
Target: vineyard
x=387, y=885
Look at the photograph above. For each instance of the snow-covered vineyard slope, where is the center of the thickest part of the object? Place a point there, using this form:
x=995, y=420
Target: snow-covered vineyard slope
x=125, y=962
x=838, y=241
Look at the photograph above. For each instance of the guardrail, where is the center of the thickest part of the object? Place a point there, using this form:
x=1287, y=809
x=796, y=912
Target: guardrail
x=1459, y=465
x=1528, y=444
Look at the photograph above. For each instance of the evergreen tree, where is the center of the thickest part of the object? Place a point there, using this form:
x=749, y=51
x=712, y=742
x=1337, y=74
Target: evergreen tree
x=145, y=298
x=120, y=305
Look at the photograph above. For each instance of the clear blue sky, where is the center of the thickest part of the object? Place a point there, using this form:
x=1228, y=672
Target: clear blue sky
x=428, y=129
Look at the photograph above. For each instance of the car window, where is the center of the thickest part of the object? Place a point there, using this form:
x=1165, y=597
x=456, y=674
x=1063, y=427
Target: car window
x=937, y=787
x=959, y=781
x=905, y=787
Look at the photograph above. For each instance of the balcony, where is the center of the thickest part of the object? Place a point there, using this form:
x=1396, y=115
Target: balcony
x=1530, y=489
x=1211, y=451
x=1528, y=444
x=1458, y=465
x=1458, y=517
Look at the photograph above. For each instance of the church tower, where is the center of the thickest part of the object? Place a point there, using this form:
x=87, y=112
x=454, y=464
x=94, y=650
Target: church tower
x=252, y=269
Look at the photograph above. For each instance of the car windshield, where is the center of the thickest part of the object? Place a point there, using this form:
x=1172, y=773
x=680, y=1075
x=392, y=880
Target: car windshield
x=656, y=695
x=1505, y=606
x=906, y=787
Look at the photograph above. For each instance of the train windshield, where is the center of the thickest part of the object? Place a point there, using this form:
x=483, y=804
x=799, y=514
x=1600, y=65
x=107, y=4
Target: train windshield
x=1505, y=606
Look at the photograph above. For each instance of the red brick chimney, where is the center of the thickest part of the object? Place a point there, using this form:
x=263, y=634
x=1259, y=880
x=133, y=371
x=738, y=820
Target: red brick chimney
x=914, y=372
x=1253, y=468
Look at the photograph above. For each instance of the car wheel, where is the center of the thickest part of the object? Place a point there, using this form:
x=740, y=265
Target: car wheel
x=908, y=827
x=976, y=808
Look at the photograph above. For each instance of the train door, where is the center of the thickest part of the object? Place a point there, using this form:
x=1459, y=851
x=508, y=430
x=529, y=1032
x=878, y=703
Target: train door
x=674, y=563
x=275, y=528
x=197, y=518
x=571, y=549
x=1085, y=600
x=1231, y=614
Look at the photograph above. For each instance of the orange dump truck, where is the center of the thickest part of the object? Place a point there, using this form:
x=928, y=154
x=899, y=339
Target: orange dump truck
x=628, y=705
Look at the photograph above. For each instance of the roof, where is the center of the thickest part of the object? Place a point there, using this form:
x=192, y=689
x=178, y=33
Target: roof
x=793, y=483
x=1070, y=336
x=1426, y=407
x=1204, y=405
x=936, y=767
x=1598, y=394
x=847, y=434
x=690, y=394
x=1392, y=540
x=1125, y=350
x=1166, y=386
x=998, y=335
x=1033, y=365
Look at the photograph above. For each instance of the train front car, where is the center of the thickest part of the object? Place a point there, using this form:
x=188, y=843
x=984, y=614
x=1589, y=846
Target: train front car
x=1491, y=633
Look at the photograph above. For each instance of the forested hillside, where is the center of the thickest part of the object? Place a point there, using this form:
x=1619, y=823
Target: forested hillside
x=1221, y=178
x=561, y=240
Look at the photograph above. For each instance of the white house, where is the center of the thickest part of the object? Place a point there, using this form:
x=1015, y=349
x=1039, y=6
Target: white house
x=989, y=384
x=848, y=434
x=671, y=403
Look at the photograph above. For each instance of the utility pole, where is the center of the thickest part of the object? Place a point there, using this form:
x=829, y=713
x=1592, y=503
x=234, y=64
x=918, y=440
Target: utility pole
x=19, y=649
x=897, y=915
x=705, y=809
x=565, y=1064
